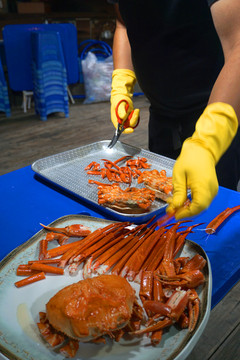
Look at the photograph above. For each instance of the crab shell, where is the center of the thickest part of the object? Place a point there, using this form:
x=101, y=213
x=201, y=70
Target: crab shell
x=92, y=307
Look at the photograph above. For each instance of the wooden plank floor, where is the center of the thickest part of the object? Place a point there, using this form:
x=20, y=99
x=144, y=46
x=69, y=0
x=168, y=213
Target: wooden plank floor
x=24, y=139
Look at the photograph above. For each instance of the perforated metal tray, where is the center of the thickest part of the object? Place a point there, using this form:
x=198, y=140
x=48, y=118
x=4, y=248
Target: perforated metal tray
x=66, y=170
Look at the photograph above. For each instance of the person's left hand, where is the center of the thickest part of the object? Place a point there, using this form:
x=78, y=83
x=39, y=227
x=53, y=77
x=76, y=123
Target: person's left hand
x=194, y=169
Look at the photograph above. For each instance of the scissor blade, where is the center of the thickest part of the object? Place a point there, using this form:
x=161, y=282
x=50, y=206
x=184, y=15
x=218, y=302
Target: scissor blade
x=116, y=136
x=114, y=140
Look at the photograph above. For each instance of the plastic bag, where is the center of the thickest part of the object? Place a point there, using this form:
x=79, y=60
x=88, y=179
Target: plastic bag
x=97, y=75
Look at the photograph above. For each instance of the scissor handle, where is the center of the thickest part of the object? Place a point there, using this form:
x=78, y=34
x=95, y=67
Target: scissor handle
x=127, y=121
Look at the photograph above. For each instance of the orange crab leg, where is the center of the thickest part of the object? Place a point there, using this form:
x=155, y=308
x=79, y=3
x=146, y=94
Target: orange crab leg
x=193, y=310
x=218, y=220
x=158, y=294
x=72, y=230
x=61, y=238
x=42, y=249
x=94, y=172
x=115, y=257
x=25, y=270
x=183, y=321
x=196, y=263
x=30, y=279
x=59, y=250
x=167, y=263
x=106, y=240
x=190, y=279
x=115, y=253
x=156, y=256
x=91, y=239
x=146, y=287
x=73, y=251
x=157, y=307
x=159, y=325
x=138, y=258
x=47, y=268
x=49, y=334
x=122, y=158
x=181, y=238
x=70, y=349
x=112, y=163
x=93, y=164
x=122, y=265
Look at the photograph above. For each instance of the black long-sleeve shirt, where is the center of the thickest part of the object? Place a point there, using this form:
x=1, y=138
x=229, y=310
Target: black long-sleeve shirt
x=176, y=52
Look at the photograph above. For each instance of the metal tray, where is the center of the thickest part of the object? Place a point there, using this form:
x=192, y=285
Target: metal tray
x=66, y=170
x=19, y=336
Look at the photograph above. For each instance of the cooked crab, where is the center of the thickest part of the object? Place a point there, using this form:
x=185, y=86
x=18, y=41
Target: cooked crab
x=130, y=200
x=91, y=308
x=158, y=182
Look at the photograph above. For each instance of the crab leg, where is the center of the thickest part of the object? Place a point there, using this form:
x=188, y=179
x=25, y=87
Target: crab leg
x=159, y=325
x=181, y=238
x=61, y=249
x=106, y=242
x=183, y=321
x=82, y=244
x=190, y=279
x=43, y=249
x=149, y=264
x=193, y=309
x=93, y=165
x=123, y=158
x=113, y=257
x=72, y=230
x=49, y=334
x=95, y=237
x=157, y=307
x=70, y=349
x=158, y=294
x=137, y=260
x=167, y=264
x=217, y=221
x=158, y=254
x=61, y=238
x=108, y=259
x=146, y=287
x=196, y=263
x=74, y=250
x=121, y=267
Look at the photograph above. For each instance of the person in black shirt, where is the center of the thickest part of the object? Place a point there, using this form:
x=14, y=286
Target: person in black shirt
x=185, y=56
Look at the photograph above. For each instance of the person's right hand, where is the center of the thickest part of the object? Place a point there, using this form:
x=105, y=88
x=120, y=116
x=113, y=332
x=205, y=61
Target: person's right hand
x=123, y=81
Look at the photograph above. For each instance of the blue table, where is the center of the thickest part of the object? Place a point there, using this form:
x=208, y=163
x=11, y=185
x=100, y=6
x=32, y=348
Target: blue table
x=26, y=202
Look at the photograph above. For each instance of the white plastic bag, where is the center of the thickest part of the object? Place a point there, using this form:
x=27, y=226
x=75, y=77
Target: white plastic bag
x=97, y=75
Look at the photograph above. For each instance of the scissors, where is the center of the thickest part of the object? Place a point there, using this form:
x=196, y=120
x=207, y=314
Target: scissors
x=122, y=125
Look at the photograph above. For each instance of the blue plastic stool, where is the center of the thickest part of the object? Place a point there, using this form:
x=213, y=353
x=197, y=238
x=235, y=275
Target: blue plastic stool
x=49, y=74
x=4, y=99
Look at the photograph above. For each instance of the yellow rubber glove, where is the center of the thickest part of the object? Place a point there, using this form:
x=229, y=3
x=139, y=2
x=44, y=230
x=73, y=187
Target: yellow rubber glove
x=123, y=81
x=195, y=167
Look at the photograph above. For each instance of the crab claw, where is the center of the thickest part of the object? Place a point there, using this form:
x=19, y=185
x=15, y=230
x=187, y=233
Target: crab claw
x=190, y=279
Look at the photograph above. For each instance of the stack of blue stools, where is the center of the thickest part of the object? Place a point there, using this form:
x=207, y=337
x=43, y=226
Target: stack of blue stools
x=49, y=74
x=4, y=99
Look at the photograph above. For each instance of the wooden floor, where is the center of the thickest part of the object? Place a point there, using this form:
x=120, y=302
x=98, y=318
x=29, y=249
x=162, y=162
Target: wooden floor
x=24, y=139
